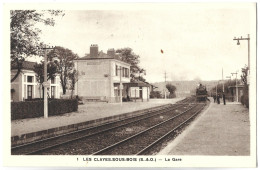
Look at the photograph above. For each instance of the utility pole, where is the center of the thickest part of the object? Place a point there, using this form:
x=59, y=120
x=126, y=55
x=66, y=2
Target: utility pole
x=46, y=84
x=120, y=84
x=78, y=76
x=165, y=85
x=223, y=81
x=236, y=85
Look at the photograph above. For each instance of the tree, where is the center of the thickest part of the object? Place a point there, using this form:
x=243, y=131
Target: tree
x=65, y=65
x=39, y=70
x=25, y=35
x=128, y=56
x=171, y=88
x=73, y=76
x=244, y=75
x=245, y=97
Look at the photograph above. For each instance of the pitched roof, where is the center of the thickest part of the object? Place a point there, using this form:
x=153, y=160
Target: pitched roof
x=27, y=65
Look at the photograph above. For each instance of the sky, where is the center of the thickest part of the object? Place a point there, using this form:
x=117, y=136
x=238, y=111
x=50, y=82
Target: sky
x=196, y=39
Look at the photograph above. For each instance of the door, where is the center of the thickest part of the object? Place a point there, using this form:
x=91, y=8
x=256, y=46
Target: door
x=140, y=92
x=29, y=92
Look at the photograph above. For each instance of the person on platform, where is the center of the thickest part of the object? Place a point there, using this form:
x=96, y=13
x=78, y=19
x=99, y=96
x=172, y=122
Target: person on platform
x=224, y=98
x=218, y=99
x=214, y=97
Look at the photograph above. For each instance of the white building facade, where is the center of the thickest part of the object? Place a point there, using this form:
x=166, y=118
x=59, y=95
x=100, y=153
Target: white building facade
x=26, y=87
x=99, y=78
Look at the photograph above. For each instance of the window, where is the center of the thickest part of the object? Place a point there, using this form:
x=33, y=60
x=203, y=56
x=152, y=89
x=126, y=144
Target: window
x=127, y=72
x=29, y=91
x=52, y=80
x=123, y=72
x=52, y=91
x=29, y=79
x=116, y=70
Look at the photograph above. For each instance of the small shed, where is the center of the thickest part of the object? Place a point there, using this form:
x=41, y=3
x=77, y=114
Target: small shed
x=139, y=90
x=233, y=92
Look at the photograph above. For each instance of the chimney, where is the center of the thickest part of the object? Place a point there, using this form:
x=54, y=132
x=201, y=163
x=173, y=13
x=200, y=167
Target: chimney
x=111, y=52
x=93, y=51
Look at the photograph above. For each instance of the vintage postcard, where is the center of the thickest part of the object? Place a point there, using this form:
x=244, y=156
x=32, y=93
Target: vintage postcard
x=130, y=85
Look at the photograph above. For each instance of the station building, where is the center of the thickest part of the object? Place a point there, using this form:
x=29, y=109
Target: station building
x=26, y=87
x=99, y=78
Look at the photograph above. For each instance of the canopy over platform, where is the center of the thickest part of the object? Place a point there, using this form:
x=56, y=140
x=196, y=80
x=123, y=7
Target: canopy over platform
x=135, y=84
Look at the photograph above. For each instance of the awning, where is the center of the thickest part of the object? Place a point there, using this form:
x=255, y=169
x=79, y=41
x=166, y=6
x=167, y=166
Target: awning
x=134, y=84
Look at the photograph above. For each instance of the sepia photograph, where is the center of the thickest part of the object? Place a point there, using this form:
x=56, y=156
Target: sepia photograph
x=130, y=84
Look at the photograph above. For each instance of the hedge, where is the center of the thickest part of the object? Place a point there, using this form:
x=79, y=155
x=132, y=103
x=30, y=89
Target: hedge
x=32, y=109
x=245, y=100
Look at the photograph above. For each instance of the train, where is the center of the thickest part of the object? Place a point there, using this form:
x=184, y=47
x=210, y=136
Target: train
x=201, y=93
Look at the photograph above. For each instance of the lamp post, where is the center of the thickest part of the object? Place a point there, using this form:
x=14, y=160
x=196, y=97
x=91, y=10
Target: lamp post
x=46, y=84
x=248, y=40
x=236, y=85
x=248, y=75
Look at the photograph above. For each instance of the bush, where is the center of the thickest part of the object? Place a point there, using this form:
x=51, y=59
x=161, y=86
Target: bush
x=245, y=100
x=32, y=109
x=172, y=95
x=242, y=100
x=155, y=94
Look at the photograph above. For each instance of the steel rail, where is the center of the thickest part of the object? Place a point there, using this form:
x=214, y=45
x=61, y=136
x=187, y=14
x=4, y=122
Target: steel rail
x=88, y=128
x=167, y=134
x=133, y=136
x=157, y=112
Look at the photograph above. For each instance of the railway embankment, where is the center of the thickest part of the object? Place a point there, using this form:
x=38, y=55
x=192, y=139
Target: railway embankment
x=89, y=114
x=222, y=130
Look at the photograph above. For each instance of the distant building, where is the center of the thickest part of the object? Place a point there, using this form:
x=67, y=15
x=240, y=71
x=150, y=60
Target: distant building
x=234, y=94
x=99, y=77
x=25, y=86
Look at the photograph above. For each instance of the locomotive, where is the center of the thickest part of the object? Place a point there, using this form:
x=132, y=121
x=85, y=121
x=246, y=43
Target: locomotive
x=201, y=93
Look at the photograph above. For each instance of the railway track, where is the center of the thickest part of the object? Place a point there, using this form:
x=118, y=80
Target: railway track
x=99, y=137
x=143, y=141
x=49, y=143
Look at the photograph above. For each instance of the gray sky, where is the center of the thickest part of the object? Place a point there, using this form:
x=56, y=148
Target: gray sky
x=197, y=39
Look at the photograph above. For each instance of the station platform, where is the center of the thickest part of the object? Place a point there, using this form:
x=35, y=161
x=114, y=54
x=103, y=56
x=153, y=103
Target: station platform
x=89, y=114
x=221, y=130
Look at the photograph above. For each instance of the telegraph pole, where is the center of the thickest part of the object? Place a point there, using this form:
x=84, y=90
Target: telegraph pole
x=165, y=85
x=120, y=86
x=46, y=84
x=223, y=81
x=236, y=85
